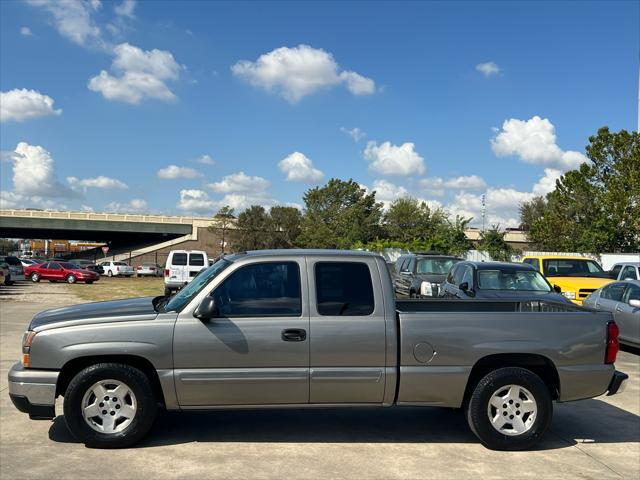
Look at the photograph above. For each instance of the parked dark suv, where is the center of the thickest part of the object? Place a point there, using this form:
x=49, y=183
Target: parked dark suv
x=420, y=274
x=498, y=280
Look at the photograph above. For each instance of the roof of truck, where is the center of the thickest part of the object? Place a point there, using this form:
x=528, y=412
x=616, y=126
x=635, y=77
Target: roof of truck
x=311, y=251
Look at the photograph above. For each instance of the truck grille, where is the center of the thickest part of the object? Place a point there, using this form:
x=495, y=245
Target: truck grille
x=585, y=292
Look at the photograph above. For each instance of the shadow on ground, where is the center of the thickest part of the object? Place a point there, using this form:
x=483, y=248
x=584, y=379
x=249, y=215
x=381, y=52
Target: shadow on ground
x=398, y=425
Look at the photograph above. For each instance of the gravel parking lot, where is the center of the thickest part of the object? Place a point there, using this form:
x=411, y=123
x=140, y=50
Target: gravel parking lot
x=598, y=438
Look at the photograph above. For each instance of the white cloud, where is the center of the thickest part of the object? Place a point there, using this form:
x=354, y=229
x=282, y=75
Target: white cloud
x=547, y=183
x=192, y=200
x=173, y=172
x=10, y=199
x=205, y=160
x=101, y=181
x=389, y=159
x=21, y=104
x=299, y=168
x=34, y=173
x=502, y=206
x=26, y=31
x=297, y=72
x=387, y=192
x=488, y=69
x=534, y=141
x=73, y=19
x=240, y=183
x=355, y=133
x=126, y=8
x=137, y=205
x=470, y=182
x=357, y=84
x=140, y=75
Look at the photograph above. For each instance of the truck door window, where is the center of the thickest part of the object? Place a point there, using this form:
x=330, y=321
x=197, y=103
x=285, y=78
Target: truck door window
x=179, y=259
x=344, y=289
x=261, y=290
x=632, y=293
x=629, y=272
x=196, y=260
x=615, y=271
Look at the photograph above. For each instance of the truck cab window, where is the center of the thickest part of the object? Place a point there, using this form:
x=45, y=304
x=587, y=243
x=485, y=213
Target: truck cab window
x=261, y=290
x=344, y=289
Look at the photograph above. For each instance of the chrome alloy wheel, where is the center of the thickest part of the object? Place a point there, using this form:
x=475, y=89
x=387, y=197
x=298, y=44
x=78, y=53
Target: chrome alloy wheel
x=109, y=406
x=512, y=410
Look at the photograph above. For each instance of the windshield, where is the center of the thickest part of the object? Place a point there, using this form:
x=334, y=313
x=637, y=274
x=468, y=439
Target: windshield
x=184, y=296
x=527, y=280
x=572, y=267
x=435, y=266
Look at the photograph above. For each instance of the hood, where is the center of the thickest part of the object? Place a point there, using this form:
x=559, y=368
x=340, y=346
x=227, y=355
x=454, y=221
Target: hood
x=97, y=312
x=519, y=295
x=573, y=284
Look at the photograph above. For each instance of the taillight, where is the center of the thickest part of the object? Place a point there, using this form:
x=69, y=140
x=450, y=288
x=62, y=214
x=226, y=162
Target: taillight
x=613, y=344
x=166, y=272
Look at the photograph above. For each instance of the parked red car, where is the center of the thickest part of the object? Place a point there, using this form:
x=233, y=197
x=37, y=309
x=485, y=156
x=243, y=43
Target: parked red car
x=60, y=272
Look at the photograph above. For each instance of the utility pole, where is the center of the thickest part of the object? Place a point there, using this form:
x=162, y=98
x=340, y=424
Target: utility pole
x=483, y=210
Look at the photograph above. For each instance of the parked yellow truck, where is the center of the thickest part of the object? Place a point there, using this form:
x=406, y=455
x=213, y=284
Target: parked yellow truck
x=577, y=277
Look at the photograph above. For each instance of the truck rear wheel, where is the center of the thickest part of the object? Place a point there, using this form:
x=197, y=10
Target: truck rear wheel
x=510, y=409
x=109, y=405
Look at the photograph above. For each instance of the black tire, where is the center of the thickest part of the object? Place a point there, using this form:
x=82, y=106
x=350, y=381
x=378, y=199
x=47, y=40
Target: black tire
x=71, y=279
x=167, y=292
x=478, y=418
x=412, y=294
x=35, y=277
x=109, y=273
x=89, y=282
x=135, y=380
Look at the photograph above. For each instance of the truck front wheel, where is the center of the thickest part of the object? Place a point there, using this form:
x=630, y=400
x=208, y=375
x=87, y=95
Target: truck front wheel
x=109, y=405
x=510, y=409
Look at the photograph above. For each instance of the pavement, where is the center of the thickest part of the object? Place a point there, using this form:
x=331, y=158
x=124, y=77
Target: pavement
x=597, y=438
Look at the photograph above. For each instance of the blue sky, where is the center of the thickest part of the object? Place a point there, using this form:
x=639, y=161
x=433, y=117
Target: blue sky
x=111, y=106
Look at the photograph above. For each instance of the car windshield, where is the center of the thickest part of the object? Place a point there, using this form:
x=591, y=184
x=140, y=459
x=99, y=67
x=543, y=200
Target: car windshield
x=69, y=266
x=435, y=266
x=120, y=264
x=572, y=267
x=511, y=279
x=184, y=296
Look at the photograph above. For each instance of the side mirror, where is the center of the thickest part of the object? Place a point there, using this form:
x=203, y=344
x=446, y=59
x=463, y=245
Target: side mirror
x=557, y=289
x=207, y=309
x=464, y=286
x=634, y=302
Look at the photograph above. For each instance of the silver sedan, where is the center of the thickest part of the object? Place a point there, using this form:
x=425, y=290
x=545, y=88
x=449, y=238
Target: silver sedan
x=623, y=300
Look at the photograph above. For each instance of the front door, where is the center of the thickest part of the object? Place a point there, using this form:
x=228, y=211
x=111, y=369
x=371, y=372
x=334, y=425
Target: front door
x=347, y=331
x=257, y=351
x=628, y=317
x=55, y=272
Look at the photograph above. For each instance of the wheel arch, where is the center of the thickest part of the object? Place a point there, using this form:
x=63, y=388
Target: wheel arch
x=538, y=364
x=74, y=366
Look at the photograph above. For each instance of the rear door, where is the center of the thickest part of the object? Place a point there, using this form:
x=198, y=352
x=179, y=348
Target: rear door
x=179, y=269
x=196, y=263
x=347, y=331
x=611, y=296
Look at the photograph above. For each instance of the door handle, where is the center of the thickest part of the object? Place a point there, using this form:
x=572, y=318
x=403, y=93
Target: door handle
x=294, y=335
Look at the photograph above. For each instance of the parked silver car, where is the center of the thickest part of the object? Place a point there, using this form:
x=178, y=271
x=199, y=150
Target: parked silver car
x=623, y=300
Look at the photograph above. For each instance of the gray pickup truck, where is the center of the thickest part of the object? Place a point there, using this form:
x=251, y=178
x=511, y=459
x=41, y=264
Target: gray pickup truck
x=310, y=328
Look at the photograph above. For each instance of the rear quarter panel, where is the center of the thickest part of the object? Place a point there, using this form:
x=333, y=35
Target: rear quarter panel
x=573, y=341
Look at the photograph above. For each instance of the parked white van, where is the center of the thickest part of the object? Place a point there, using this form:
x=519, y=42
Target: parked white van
x=181, y=267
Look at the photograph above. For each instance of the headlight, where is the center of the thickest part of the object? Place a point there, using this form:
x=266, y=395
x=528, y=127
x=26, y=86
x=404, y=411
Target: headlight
x=570, y=295
x=426, y=289
x=27, y=341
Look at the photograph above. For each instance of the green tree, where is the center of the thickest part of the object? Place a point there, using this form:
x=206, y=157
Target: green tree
x=492, y=241
x=284, y=226
x=596, y=208
x=408, y=219
x=253, y=229
x=223, y=222
x=532, y=211
x=338, y=215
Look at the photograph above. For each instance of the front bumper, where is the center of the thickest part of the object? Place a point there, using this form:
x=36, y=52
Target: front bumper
x=618, y=383
x=33, y=391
